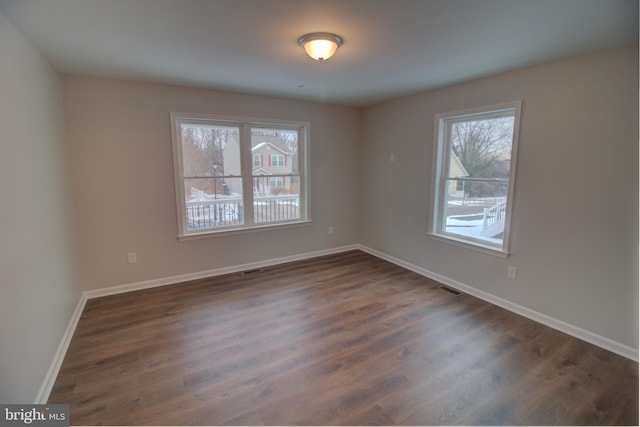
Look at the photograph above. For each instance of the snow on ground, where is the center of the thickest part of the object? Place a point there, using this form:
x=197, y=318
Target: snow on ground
x=468, y=228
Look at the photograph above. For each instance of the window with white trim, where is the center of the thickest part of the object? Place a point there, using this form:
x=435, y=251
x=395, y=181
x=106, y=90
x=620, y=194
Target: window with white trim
x=223, y=182
x=277, y=160
x=276, y=181
x=474, y=172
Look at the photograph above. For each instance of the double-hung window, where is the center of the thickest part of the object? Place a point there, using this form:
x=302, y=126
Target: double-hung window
x=474, y=173
x=224, y=181
x=277, y=160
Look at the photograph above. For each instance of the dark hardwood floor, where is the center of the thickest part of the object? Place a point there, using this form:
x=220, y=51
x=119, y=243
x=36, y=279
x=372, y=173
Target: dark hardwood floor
x=342, y=339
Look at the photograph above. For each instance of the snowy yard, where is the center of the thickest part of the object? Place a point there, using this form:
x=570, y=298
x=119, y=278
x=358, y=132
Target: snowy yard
x=469, y=218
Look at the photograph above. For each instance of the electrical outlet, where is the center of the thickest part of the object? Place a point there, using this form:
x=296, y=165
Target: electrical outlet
x=392, y=157
x=330, y=230
x=512, y=272
x=131, y=256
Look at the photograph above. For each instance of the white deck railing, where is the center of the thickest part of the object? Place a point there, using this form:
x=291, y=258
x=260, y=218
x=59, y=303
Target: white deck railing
x=493, y=219
x=227, y=211
x=276, y=208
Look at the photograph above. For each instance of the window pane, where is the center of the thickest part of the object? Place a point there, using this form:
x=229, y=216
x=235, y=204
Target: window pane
x=210, y=150
x=213, y=202
x=480, y=148
x=276, y=198
x=275, y=151
x=476, y=211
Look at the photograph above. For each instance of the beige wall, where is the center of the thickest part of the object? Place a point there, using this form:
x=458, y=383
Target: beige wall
x=574, y=237
x=39, y=284
x=122, y=167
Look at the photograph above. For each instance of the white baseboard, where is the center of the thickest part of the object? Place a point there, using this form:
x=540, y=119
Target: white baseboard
x=567, y=328
x=54, y=368
x=113, y=290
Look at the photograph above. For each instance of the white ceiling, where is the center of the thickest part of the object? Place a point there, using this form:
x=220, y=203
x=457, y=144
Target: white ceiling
x=391, y=47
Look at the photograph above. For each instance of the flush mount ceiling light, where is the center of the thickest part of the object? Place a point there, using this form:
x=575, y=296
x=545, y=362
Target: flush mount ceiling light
x=320, y=46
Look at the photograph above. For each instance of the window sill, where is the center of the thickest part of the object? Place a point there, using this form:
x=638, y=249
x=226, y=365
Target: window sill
x=478, y=247
x=229, y=232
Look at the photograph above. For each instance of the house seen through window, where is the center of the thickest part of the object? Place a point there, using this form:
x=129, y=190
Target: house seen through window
x=474, y=175
x=234, y=174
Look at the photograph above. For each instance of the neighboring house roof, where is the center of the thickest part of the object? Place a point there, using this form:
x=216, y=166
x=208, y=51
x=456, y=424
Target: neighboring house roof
x=262, y=171
x=272, y=141
x=460, y=165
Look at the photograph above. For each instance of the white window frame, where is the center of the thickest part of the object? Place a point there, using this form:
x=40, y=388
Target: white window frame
x=245, y=124
x=440, y=171
x=257, y=161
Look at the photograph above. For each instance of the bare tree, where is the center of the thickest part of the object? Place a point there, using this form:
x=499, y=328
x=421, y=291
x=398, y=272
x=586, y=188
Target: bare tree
x=202, y=149
x=197, y=161
x=483, y=146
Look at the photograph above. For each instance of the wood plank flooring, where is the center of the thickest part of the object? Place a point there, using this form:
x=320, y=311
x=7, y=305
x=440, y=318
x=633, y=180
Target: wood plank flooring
x=344, y=339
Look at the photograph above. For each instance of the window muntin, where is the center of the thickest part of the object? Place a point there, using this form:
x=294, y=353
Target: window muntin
x=474, y=174
x=224, y=181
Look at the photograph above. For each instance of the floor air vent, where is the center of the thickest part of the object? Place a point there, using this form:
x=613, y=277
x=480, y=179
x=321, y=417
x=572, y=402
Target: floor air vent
x=450, y=290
